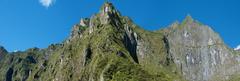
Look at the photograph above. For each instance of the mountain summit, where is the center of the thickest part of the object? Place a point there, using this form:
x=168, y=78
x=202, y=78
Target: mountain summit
x=110, y=47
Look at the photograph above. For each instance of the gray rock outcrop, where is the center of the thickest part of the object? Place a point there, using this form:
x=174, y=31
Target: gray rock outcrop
x=199, y=52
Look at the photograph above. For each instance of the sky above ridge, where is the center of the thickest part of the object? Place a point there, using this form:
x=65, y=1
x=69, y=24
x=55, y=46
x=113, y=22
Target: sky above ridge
x=39, y=23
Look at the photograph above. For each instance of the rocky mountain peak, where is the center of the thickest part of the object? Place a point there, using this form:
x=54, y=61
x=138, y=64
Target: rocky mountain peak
x=188, y=19
x=198, y=50
x=108, y=8
x=108, y=14
x=84, y=22
x=79, y=28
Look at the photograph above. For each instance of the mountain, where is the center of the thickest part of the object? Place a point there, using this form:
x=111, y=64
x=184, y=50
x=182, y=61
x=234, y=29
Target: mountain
x=110, y=47
x=200, y=52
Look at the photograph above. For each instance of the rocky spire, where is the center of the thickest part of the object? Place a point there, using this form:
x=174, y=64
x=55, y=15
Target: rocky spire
x=188, y=19
x=84, y=22
x=108, y=13
x=108, y=9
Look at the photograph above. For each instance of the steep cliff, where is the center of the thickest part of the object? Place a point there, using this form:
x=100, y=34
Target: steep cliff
x=199, y=52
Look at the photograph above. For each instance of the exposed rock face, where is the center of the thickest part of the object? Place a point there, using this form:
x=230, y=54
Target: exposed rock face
x=84, y=22
x=109, y=15
x=130, y=42
x=199, y=52
x=78, y=29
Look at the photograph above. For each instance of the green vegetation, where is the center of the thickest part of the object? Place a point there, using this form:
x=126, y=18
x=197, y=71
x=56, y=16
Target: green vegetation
x=117, y=50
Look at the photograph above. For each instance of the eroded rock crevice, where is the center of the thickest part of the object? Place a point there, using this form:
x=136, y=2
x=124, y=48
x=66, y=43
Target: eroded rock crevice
x=169, y=58
x=87, y=55
x=9, y=74
x=131, y=45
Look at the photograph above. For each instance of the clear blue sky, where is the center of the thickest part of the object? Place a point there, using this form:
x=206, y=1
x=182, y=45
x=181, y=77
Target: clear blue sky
x=30, y=23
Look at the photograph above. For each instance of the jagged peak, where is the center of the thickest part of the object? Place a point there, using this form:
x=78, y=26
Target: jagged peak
x=188, y=19
x=174, y=25
x=108, y=11
x=84, y=22
x=108, y=7
x=107, y=15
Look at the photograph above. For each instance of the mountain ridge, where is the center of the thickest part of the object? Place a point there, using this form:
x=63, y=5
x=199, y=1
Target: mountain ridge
x=108, y=47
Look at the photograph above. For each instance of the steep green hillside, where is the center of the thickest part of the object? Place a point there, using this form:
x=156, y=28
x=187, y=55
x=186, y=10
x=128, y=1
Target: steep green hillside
x=103, y=48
